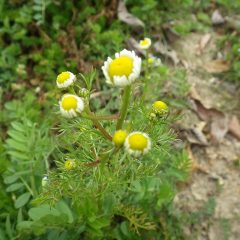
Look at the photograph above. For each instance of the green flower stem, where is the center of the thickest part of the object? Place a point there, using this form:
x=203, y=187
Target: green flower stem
x=72, y=90
x=98, y=124
x=104, y=156
x=124, y=107
x=146, y=78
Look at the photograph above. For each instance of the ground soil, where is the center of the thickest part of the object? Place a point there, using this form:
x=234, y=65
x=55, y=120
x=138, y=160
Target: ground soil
x=215, y=174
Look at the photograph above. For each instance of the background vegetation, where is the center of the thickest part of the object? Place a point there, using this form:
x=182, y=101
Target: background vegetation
x=41, y=38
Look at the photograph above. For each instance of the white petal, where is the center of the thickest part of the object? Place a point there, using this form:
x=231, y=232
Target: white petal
x=121, y=81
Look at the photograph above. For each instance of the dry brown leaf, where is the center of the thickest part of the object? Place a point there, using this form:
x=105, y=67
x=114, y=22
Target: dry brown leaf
x=195, y=166
x=233, y=22
x=165, y=51
x=219, y=122
x=217, y=66
x=194, y=94
x=234, y=127
x=217, y=18
x=196, y=136
x=203, y=43
x=35, y=81
x=219, y=127
x=191, y=157
x=185, y=64
x=202, y=112
x=170, y=34
x=193, y=134
x=128, y=18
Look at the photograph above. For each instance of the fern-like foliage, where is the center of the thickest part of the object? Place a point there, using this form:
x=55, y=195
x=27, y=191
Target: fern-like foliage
x=28, y=147
x=39, y=9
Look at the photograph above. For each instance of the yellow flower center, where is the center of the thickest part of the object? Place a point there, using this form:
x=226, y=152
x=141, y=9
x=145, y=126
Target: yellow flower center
x=121, y=66
x=160, y=106
x=61, y=78
x=119, y=137
x=69, y=164
x=137, y=141
x=69, y=102
x=144, y=42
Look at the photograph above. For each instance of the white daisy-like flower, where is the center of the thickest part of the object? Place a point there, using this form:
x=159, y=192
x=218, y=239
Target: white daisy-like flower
x=137, y=143
x=70, y=105
x=144, y=44
x=123, y=70
x=65, y=79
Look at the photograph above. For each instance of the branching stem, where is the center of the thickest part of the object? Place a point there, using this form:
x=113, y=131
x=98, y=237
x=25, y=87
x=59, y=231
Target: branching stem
x=124, y=107
x=146, y=78
x=98, y=124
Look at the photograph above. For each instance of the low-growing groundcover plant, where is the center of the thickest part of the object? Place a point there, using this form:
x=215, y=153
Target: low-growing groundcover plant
x=116, y=172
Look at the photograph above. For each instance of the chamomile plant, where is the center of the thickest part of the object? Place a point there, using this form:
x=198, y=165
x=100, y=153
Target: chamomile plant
x=116, y=171
x=149, y=62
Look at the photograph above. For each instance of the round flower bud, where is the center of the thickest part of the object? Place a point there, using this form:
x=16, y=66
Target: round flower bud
x=45, y=181
x=160, y=108
x=69, y=165
x=150, y=60
x=152, y=116
x=154, y=61
x=83, y=92
x=119, y=137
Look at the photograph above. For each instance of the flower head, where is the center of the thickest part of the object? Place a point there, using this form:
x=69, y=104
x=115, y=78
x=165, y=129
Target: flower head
x=69, y=165
x=123, y=70
x=152, y=116
x=137, y=143
x=119, y=137
x=83, y=92
x=155, y=61
x=65, y=79
x=45, y=181
x=70, y=105
x=160, y=108
x=145, y=43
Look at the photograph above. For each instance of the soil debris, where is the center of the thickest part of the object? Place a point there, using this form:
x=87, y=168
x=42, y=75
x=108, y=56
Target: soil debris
x=212, y=193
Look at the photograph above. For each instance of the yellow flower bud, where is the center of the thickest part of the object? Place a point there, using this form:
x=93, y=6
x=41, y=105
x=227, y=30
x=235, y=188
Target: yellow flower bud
x=160, y=108
x=119, y=137
x=150, y=60
x=152, y=116
x=69, y=165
